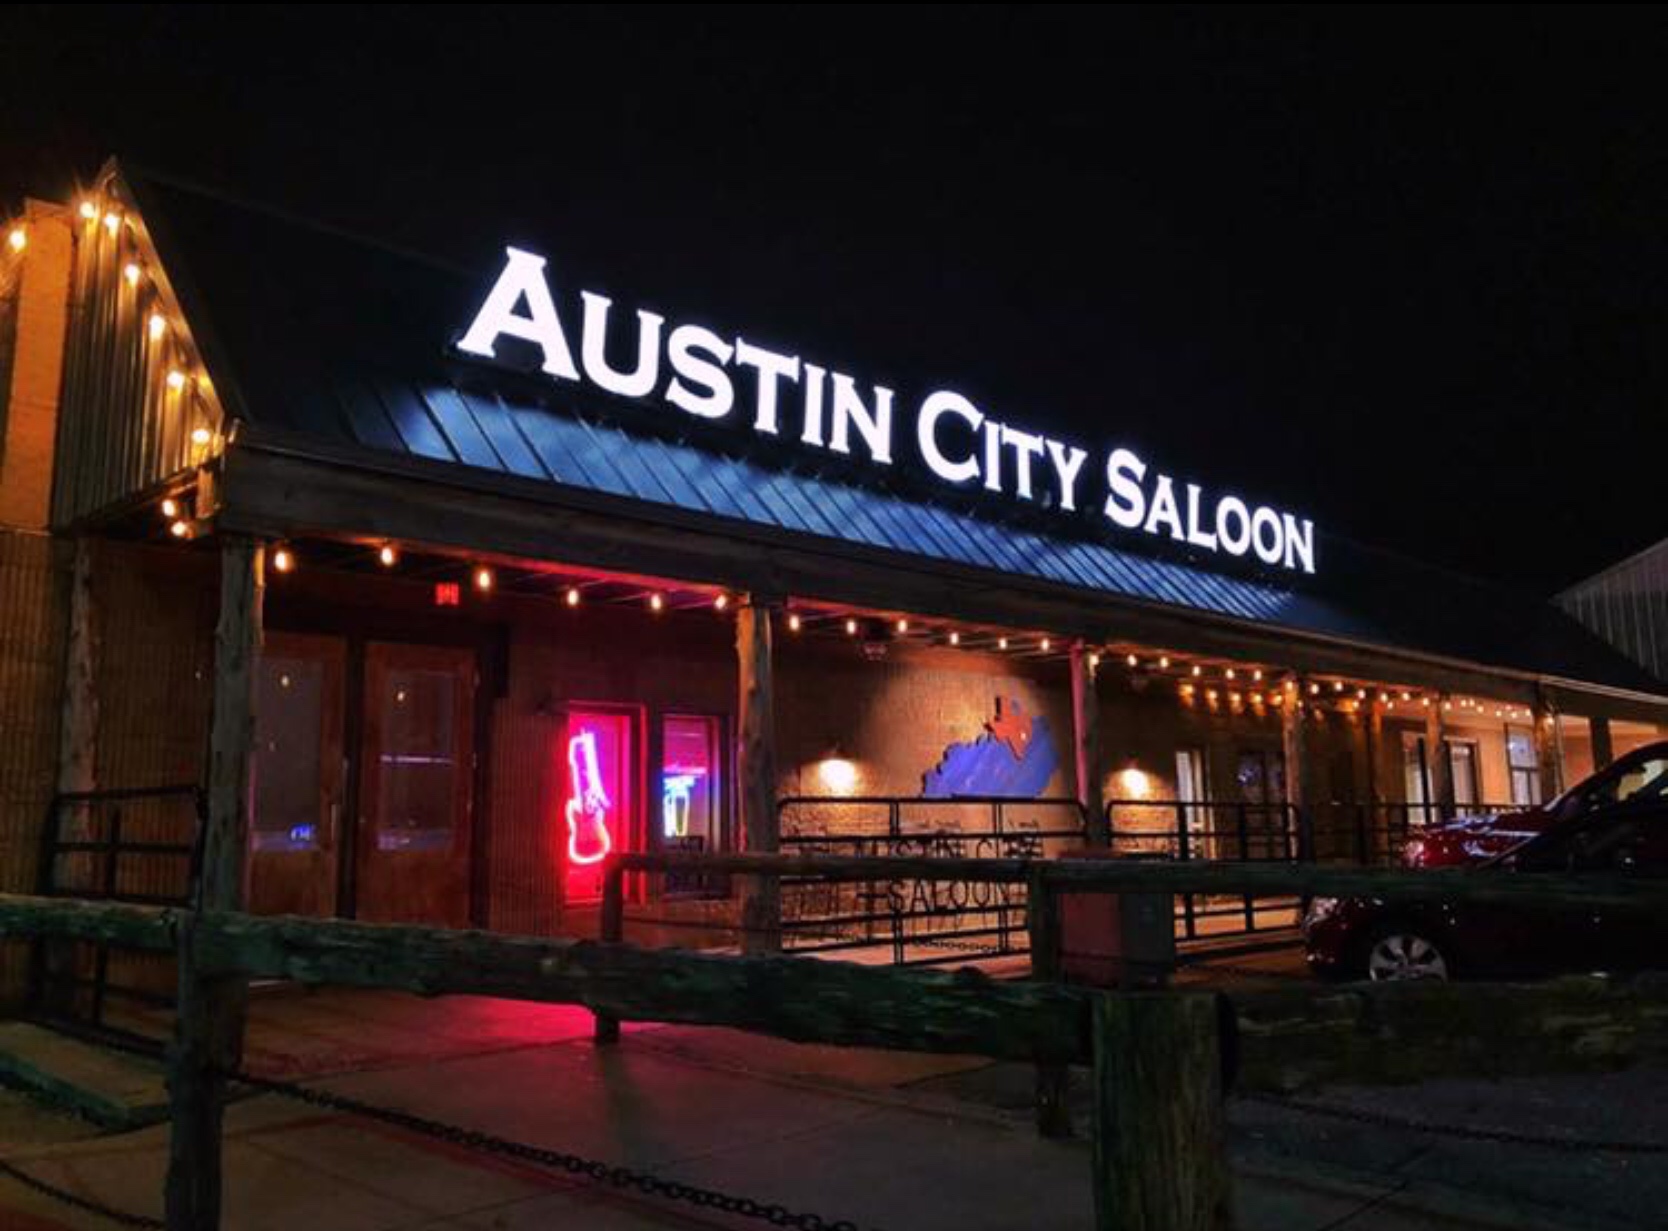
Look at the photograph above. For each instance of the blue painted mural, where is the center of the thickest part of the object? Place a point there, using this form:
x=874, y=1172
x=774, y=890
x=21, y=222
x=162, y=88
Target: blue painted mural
x=1015, y=757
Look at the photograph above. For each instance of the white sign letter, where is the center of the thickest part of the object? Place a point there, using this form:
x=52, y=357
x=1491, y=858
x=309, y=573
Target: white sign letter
x=593, y=349
x=523, y=278
x=1127, y=503
x=771, y=367
x=687, y=348
x=938, y=404
x=875, y=428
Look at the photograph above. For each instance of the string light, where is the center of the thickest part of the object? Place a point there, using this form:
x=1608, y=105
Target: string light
x=1229, y=673
x=793, y=622
x=1094, y=661
x=18, y=239
x=720, y=602
x=1163, y=662
x=89, y=211
x=200, y=436
x=158, y=325
x=851, y=627
x=1313, y=689
x=1045, y=644
x=903, y=626
x=131, y=272
x=170, y=507
x=955, y=638
x=572, y=596
x=387, y=556
x=182, y=530
x=657, y=602
x=484, y=580
x=1257, y=675
x=1337, y=686
x=1001, y=643
x=1197, y=670
x=283, y=560
x=1132, y=661
x=112, y=221
x=176, y=379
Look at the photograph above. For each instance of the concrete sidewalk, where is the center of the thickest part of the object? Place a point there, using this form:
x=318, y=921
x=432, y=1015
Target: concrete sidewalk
x=882, y=1139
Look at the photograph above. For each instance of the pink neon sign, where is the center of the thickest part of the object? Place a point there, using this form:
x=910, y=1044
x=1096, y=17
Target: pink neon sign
x=588, y=804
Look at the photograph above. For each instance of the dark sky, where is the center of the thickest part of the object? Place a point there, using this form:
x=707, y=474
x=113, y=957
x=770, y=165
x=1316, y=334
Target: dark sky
x=1402, y=270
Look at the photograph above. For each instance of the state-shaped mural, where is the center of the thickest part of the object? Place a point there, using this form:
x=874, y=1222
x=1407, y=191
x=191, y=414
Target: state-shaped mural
x=1015, y=756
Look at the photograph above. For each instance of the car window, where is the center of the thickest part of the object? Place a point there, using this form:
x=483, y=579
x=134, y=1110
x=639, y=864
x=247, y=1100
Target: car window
x=1648, y=779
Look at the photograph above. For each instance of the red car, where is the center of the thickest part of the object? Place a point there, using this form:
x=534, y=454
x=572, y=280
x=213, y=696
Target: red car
x=1614, y=822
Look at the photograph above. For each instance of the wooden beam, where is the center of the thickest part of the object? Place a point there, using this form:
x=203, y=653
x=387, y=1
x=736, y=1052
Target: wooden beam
x=1439, y=770
x=150, y=928
x=208, y=1023
x=1292, y=1038
x=761, y=903
x=805, y=999
x=237, y=648
x=1159, y=1150
x=1086, y=746
x=1200, y=876
x=1604, y=751
x=1042, y=918
x=78, y=725
x=271, y=489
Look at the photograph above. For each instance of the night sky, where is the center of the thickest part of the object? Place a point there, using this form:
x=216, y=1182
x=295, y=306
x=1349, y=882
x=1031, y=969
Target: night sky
x=1403, y=271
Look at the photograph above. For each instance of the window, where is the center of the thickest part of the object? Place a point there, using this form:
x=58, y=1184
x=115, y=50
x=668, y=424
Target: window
x=1524, y=766
x=1415, y=773
x=417, y=768
x=692, y=796
x=1462, y=765
x=289, y=772
x=1190, y=794
x=691, y=785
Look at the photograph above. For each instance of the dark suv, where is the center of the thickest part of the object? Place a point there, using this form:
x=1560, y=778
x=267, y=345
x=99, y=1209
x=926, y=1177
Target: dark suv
x=1614, y=822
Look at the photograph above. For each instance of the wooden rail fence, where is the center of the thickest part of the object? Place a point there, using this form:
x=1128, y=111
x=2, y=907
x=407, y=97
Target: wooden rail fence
x=1160, y=1061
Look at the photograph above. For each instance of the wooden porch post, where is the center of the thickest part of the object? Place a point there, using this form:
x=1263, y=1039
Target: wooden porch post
x=1159, y=1150
x=1438, y=769
x=1294, y=751
x=1085, y=721
x=1604, y=751
x=78, y=726
x=1547, y=760
x=761, y=904
x=208, y=1032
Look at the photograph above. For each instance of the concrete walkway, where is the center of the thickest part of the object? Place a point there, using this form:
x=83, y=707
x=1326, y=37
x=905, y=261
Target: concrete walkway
x=885, y=1140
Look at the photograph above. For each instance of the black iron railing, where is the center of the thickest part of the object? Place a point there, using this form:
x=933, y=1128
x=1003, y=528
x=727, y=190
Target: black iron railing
x=141, y=846
x=921, y=922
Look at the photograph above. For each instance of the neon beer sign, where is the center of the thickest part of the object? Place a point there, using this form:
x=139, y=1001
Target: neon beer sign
x=696, y=372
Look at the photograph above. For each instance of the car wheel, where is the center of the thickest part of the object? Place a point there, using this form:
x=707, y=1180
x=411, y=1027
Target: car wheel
x=1400, y=953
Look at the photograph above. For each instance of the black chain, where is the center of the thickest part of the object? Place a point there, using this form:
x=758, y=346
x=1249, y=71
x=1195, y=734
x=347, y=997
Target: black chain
x=121, y=1217
x=574, y=1164
x=1381, y=1119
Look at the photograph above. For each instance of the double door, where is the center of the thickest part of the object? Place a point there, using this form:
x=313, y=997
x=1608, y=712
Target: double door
x=363, y=780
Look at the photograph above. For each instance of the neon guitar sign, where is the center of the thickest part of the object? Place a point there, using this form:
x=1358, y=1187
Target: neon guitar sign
x=588, y=804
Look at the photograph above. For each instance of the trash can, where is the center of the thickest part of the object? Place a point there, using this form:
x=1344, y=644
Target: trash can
x=1116, y=939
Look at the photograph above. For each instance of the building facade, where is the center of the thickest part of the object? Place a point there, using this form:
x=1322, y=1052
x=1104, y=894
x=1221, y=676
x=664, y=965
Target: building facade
x=440, y=595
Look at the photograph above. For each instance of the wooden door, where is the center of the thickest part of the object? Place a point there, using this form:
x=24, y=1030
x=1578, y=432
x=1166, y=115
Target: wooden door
x=295, y=824
x=416, y=785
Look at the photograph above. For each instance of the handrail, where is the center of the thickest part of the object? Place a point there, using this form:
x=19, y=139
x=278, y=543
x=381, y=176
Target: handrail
x=1203, y=876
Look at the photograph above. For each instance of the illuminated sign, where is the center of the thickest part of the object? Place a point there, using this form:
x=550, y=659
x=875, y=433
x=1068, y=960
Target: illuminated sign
x=588, y=804
x=699, y=373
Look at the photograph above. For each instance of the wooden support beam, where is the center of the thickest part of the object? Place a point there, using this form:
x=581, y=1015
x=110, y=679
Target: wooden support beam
x=208, y=1024
x=1604, y=751
x=78, y=724
x=1086, y=747
x=761, y=902
x=1439, y=769
x=1548, y=763
x=1043, y=922
x=1294, y=751
x=1293, y=1038
x=1159, y=1149
x=611, y=931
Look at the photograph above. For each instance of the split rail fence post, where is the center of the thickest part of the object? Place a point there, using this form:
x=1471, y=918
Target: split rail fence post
x=1159, y=1148
x=1043, y=921
x=611, y=929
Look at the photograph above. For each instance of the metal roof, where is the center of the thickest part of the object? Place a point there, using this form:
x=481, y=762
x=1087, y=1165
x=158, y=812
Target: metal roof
x=336, y=339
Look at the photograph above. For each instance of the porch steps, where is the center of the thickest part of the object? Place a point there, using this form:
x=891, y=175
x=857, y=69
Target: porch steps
x=115, y=1090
